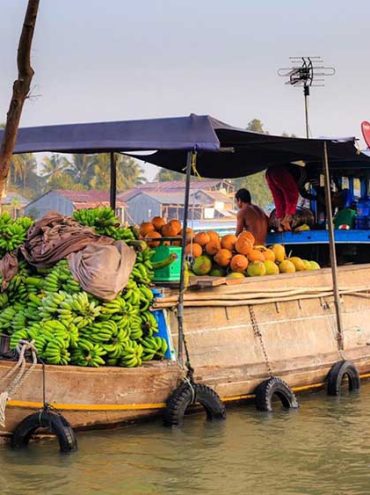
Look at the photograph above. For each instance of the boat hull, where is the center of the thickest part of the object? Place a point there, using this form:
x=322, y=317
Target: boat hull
x=232, y=349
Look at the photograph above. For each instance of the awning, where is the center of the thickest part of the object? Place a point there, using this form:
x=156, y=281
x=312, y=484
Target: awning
x=178, y=133
x=223, y=150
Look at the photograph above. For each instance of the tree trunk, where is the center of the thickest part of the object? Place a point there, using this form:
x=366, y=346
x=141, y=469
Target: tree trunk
x=21, y=88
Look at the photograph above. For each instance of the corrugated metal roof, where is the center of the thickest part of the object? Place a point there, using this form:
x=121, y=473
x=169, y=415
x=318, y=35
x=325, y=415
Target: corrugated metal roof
x=180, y=184
x=15, y=197
x=83, y=199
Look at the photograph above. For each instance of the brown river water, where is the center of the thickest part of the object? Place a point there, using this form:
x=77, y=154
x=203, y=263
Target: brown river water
x=321, y=449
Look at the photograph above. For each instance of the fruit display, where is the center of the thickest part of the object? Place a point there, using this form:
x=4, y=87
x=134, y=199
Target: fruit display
x=71, y=326
x=228, y=255
x=158, y=228
x=238, y=257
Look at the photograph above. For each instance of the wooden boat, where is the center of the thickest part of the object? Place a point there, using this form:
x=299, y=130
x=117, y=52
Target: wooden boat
x=291, y=326
x=236, y=333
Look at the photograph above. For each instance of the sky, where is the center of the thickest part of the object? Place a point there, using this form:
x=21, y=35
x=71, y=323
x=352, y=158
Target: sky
x=101, y=60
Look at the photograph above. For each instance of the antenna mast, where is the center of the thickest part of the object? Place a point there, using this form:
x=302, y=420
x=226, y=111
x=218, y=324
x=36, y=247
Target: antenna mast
x=306, y=72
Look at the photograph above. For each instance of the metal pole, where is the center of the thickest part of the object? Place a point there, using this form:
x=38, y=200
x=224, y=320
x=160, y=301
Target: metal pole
x=191, y=158
x=113, y=181
x=333, y=258
x=306, y=92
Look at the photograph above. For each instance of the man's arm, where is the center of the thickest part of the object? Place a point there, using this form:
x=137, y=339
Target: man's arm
x=239, y=222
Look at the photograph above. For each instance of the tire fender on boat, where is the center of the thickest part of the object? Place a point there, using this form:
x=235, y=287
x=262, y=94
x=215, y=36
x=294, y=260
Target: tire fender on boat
x=336, y=375
x=274, y=386
x=192, y=393
x=53, y=422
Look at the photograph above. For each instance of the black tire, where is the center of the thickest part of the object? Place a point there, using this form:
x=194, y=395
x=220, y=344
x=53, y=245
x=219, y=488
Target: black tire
x=274, y=386
x=53, y=422
x=336, y=375
x=185, y=395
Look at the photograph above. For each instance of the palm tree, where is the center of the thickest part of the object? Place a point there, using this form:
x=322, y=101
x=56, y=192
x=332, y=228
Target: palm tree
x=129, y=172
x=21, y=166
x=54, y=166
x=165, y=175
x=81, y=168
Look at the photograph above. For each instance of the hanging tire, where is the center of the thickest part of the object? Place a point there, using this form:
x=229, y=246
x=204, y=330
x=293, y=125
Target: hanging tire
x=274, y=386
x=185, y=395
x=336, y=375
x=55, y=423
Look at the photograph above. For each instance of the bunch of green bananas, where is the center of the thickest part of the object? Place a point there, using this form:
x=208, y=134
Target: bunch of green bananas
x=132, y=355
x=116, y=345
x=140, y=274
x=6, y=318
x=13, y=233
x=4, y=300
x=56, y=352
x=17, y=336
x=99, y=332
x=61, y=278
x=105, y=222
x=17, y=289
x=149, y=323
x=88, y=353
x=138, y=295
x=154, y=347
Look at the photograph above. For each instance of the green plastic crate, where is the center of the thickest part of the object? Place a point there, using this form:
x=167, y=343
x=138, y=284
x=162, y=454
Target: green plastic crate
x=170, y=273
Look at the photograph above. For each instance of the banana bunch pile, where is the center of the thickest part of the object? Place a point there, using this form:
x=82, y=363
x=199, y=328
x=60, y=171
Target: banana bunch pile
x=104, y=222
x=70, y=326
x=12, y=232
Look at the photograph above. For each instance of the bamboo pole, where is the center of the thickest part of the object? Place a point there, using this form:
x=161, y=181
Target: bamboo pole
x=113, y=181
x=191, y=159
x=226, y=300
x=333, y=258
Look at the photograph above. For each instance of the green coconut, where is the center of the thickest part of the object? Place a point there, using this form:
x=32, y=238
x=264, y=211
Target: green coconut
x=202, y=265
x=217, y=271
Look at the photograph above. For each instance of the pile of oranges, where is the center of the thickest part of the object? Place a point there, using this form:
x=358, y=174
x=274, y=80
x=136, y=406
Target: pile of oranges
x=229, y=251
x=158, y=228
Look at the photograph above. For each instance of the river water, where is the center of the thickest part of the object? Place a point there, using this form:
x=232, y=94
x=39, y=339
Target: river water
x=321, y=449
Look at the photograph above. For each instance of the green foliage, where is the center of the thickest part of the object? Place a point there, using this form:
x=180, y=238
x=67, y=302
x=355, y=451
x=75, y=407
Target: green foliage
x=255, y=125
x=166, y=175
x=84, y=172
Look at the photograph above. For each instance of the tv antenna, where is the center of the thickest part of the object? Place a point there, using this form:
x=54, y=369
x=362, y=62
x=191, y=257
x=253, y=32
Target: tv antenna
x=306, y=72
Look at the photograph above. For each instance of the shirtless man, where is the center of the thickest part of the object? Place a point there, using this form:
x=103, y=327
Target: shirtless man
x=250, y=217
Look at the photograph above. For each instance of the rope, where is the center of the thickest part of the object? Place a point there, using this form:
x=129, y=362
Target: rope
x=194, y=166
x=258, y=334
x=188, y=366
x=190, y=382
x=20, y=377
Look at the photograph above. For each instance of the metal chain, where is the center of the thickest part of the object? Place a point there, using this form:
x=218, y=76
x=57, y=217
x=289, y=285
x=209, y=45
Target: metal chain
x=258, y=334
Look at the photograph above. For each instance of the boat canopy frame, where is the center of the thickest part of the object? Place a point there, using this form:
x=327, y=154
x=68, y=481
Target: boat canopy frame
x=201, y=145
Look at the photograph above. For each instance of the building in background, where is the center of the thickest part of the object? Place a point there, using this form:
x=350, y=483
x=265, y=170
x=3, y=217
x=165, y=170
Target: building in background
x=65, y=202
x=209, y=200
x=14, y=204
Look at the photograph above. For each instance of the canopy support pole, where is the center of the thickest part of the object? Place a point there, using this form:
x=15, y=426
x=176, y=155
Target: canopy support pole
x=190, y=162
x=113, y=180
x=333, y=258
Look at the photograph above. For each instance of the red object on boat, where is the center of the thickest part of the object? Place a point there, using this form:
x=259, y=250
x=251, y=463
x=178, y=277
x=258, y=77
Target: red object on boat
x=365, y=128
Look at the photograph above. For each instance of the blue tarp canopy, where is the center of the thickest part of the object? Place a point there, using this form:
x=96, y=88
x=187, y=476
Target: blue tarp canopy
x=178, y=133
x=223, y=150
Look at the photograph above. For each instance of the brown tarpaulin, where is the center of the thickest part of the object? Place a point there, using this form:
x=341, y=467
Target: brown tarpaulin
x=8, y=268
x=54, y=236
x=101, y=265
x=103, y=270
